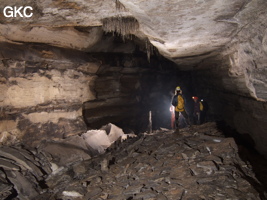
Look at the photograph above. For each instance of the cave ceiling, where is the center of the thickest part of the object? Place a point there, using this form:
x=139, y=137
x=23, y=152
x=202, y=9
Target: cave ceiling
x=184, y=31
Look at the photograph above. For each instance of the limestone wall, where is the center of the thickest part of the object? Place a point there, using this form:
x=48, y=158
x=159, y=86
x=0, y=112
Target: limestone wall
x=236, y=80
x=49, y=92
x=127, y=87
x=42, y=92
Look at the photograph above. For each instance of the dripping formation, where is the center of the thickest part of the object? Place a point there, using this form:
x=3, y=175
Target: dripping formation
x=123, y=26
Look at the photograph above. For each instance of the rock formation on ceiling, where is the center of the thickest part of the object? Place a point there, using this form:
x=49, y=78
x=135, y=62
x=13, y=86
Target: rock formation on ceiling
x=224, y=42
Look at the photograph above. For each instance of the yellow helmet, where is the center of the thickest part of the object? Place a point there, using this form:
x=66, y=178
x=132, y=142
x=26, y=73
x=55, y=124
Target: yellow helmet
x=178, y=88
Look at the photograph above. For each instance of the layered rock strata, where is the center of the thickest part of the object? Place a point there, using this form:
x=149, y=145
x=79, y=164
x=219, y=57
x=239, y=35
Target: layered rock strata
x=42, y=91
x=55, y=93
x=130, y=87
x=191, y=33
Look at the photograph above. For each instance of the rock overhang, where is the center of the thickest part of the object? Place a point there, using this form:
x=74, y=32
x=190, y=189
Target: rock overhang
x=185, y=32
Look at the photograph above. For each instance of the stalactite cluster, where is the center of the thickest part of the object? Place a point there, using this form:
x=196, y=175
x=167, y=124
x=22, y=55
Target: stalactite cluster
x=149, y=49
x=124, y=26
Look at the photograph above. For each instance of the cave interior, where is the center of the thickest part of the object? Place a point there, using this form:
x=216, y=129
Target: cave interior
x=75, y=67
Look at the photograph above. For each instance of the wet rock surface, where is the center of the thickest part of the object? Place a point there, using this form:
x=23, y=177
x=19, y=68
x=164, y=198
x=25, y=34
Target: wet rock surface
x=199, y=163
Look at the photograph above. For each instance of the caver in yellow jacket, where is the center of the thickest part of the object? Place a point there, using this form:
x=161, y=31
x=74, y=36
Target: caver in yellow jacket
x=180, y=104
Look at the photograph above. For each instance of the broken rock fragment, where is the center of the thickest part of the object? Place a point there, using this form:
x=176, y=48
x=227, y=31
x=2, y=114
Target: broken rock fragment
x=97, y=140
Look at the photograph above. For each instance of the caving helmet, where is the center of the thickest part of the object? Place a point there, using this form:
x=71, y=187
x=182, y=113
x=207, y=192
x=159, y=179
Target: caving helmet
x=178, y=88
x=195, y=97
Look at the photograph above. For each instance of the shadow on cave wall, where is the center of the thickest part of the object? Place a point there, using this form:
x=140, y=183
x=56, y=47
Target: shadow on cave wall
x=248, y=153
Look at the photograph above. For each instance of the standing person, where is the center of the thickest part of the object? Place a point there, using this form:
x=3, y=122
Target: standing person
x=203, y=112
x=179, y=104
x=172, y=110
x=197, y=108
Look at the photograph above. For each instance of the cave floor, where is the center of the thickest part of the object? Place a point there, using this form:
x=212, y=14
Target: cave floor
x=198, y=163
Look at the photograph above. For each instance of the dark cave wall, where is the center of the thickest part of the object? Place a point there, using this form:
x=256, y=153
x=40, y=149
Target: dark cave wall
x=244, y=114
x=127, y=87
x=249, y=118
x=50, y=92
x=233, y=97
x=235, y=81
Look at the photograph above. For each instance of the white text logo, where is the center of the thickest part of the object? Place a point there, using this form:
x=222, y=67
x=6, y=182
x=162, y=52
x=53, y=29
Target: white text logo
x=20, y=11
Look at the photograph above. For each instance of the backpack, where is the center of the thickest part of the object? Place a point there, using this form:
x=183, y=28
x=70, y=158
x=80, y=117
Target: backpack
x=201, y=107
x=175, y=101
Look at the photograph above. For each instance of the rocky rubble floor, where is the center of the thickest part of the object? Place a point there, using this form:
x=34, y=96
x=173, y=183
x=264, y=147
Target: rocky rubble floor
x=199, y=163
